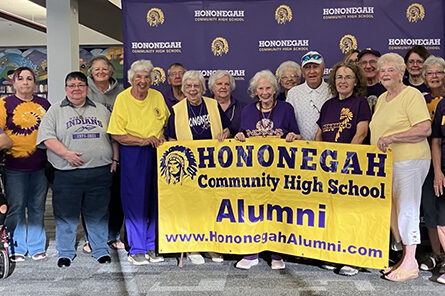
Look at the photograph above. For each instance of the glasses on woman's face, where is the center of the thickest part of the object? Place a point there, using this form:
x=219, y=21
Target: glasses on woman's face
x=418, y=62
x=431, y=74
x=346, y=77
x=288, y=77
x=73, y=86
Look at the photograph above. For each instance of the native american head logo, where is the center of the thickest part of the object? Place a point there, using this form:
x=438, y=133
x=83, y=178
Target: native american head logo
x=155, y=16
x=283, y=14
x=177, y=164
x=348, y=43
x=159, y=75
x=415, y=12
x=220, y=46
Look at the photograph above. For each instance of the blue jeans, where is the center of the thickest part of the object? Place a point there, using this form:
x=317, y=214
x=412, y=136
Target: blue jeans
x=26, y=190
x=85, y=191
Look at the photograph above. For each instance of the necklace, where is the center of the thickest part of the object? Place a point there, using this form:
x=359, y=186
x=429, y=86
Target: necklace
x=265, y=123
x=78, y=114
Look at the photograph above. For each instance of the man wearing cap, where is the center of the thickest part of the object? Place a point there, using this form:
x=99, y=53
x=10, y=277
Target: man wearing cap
x=367, y=59
x=308, y=98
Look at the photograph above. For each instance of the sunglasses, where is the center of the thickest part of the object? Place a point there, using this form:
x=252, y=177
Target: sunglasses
x=311, y=57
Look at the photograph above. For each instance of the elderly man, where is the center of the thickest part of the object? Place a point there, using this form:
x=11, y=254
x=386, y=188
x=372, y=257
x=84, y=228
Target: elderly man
x=308, y=98
x=174, y=94
x=367, y=59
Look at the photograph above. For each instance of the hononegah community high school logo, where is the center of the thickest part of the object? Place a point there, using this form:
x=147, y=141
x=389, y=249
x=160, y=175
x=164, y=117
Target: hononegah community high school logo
x=348, y=43
x=155, y=16
x=283, y=14
x=177, y=164
x=159, y=75
x=220, y=46
x=415, y=12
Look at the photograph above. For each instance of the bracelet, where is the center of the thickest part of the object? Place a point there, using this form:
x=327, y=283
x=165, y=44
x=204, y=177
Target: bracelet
x=117, y=161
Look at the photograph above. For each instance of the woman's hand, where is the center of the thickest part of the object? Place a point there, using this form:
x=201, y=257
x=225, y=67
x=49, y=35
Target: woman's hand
x=240, y=137
x=290, y=137
x=223, y=135
x=439, y=183
x=73, y=158
x=383, y=143
x=113, y=166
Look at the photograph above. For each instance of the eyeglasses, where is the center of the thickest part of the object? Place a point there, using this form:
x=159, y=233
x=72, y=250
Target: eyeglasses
x=189, y=86
x=291, y=76
x=311, y=57
x=346, y=77
x=73, y=86
x=437, y=73
x=371, y=62
x=179, y=73
x=412, y=62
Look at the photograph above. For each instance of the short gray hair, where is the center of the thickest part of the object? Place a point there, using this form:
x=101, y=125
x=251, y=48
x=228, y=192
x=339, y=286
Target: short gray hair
x=394, y=58
x=103, y=59
x=266, y=74
x=220, y=74
x=193, y=74
x=432, y=61
x=140, y=65
x=288, y=65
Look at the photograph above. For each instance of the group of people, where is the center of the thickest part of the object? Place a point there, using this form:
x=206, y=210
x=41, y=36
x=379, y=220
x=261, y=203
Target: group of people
x=101, y=142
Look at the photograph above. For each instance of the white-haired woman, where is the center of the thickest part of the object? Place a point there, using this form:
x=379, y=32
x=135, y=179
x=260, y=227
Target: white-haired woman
x=401, y=122
x=433, y=201
x=137, y=123
x=288, y=74
x=266, y=117
x=197, y=118
x=221, y=84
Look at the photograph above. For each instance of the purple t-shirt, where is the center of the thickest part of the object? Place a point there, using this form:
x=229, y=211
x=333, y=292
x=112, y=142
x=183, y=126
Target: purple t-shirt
x=279, y=122
x=170, y=99
x=439, y=128
x=339, y=118
x=199, y=122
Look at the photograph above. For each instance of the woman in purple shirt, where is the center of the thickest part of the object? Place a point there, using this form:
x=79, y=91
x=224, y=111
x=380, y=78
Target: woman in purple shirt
x=266, y=117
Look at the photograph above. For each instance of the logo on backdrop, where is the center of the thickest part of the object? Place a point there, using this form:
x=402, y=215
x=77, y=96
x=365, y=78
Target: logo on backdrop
x=283, y=14
x=177, y=164
x=407, y=43
x=159, y=75
x=220, y=46
x=238, y=74
x=283, y=45
x=332, y=13
x=219, y=15
x=348, y=43
x=415, y=12
x=155, y=16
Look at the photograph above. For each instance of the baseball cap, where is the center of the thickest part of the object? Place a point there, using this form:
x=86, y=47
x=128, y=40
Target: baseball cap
x=369, y=50
x=311, y=57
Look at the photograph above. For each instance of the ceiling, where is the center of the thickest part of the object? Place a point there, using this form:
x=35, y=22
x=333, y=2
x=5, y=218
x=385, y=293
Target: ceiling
x=92, y=30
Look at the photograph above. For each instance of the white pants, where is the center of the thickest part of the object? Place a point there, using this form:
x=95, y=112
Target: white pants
x=408, y=178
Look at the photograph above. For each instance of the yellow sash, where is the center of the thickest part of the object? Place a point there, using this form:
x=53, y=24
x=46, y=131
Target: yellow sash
x=182, y=126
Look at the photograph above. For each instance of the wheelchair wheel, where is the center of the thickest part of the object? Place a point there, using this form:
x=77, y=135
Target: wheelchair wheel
x=4, y=264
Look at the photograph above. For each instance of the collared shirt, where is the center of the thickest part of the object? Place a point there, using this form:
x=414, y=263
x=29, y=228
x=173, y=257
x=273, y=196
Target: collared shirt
x=170, y=99
x=307, y=103
x=65, y=102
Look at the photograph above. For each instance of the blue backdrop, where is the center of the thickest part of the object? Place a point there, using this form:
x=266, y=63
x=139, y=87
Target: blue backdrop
x=250, y=35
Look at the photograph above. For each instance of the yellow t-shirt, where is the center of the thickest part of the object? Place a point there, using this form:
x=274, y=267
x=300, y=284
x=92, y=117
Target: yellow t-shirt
x=399, y=115
x=142, y=119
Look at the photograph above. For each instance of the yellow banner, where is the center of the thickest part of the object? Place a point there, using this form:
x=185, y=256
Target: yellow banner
x=319, y=200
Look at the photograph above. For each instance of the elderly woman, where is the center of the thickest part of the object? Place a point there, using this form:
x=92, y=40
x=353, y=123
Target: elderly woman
x=433, y=208
x=103, y=88
x=221, y=84
x=74, y=132
x=25, y=182
x=289, y=74
x=137, y=123
x=266, y=117
x=345, y=118
x=351, y=56
x=401, y=122
x=197, y=118
x=414, y=59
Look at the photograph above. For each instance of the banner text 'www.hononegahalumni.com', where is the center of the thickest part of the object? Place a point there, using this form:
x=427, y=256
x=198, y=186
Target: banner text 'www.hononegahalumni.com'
x=291, y=239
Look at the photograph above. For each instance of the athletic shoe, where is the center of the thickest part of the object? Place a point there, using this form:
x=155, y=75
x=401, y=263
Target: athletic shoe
x=17, y=258
x=216, y=257
x=138, y=259
x=152, y=256
x=348, y=270
x=195, y=258
x=277, y=264
x=39, y=256
x=246, y=263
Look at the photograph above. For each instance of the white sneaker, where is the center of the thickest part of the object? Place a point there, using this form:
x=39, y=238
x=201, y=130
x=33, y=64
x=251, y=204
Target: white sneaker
x=195, y=258
x=246, y=263
x=216, y=257
x=278, y=264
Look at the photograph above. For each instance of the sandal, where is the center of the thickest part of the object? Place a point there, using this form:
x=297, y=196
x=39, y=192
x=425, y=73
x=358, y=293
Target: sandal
x=115, y=245
x=401, y=275
x=86, y=248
